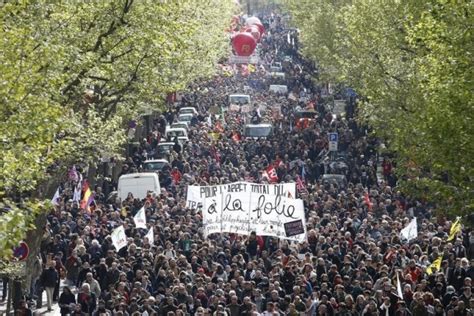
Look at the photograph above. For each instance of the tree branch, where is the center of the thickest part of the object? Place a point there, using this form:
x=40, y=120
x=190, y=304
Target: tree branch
x=111, y=105
x=99, y=78
x=114, y=58
x=112, y=28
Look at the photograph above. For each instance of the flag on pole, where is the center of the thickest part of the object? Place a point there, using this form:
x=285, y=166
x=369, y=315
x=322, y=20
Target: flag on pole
x=219, y=128
x=367, y=201
x=88, y=197
x=73, y=175
x=236, y=137
x=303, y=173
x=251, y=68
x=245, y=70
x=150, y=236
x=399, y=288
x=410, y=231
x=119, y=239
x=271, y=174
x=78, y=190
x=455, y=229
x=435, y=265
x=56, y=197
x=140, y=218
x=300, y=184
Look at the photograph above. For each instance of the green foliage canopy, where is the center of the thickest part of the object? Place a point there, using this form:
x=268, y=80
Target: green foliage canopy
x=412, y=62
x=73, y=73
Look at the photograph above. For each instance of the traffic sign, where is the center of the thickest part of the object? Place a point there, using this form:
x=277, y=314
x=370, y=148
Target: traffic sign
x=333, y=139
x=22, y=251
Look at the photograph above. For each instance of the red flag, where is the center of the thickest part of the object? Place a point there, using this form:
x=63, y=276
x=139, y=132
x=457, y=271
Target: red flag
x=271, y=174
x=300, y=184
x=219, y=127
x=277, y=163
x=367, y=201
x=236, y=137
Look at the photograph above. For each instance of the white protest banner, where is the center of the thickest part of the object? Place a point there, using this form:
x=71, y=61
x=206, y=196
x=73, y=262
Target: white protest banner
x=410, y=231
x=243, y=207
x=399, y=288
x=56, y=197
x=270, y=213
x=285, y=189
x=211, y=215
x=236, y=199
x=119, y=239
x=195, y=193
x=140, y=218
x=193, y=197
x=150, y=236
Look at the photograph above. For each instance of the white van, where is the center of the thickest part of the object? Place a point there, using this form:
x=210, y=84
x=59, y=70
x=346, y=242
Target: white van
x=181, y=133
x=277, y=75
x=255, y=131
x=276, y=67
x=139, y=184
x=239, y=99
x=278, y=88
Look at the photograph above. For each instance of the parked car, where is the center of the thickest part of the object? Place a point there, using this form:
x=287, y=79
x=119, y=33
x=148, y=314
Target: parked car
x=179, y=125
x=185, y=118
x=164, y=149
x=276, y=67
x=181, y=133
x=155, y=165
x=278, y=88
x=188, y=110
x=338, y=179
x=239, y=99
x=262, y=130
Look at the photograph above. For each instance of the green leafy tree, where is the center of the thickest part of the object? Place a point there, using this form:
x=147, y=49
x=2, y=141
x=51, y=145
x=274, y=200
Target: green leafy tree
x=74, y=73
x=412, y=61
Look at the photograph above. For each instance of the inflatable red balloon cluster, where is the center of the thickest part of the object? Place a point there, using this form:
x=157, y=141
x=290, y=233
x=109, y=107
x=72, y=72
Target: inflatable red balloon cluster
x=245, y=42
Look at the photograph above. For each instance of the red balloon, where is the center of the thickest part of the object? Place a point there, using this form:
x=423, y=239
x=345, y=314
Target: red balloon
x=244, y=44
x=254, y=31
x=261, y=28
x=252, y=20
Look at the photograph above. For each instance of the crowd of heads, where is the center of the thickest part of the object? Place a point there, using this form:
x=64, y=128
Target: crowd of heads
x=352, y=259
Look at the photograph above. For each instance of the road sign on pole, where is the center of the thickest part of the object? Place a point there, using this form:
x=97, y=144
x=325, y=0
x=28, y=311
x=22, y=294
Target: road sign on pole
x=22, y=251
x=333, y=139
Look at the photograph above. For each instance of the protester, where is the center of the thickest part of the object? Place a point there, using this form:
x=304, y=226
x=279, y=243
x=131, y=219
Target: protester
x=66, y=300
x=49, y=279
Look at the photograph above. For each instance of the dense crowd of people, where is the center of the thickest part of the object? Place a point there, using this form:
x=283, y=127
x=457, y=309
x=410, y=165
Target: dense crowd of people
x=353, y=258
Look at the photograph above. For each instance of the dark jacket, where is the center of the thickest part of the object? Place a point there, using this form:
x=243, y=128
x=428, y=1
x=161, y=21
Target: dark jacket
x=49, y=277
x=87, y=301
x=64, y=300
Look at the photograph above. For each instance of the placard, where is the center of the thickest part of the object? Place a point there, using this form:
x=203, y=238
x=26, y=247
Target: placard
x=294, y=228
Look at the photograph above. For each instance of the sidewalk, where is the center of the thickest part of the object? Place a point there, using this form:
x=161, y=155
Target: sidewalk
x=41, y=311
